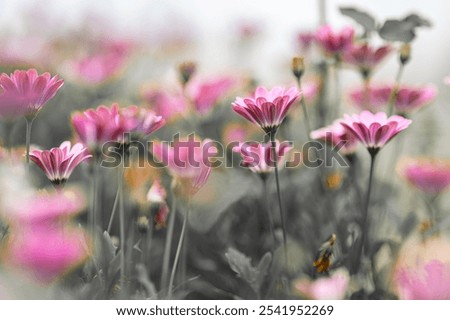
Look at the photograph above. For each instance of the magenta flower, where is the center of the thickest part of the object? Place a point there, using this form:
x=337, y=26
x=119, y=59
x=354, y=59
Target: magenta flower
x=305, y=40
x=188, y=161
x=24, y=93
x=259, y=157
x=411, y=99
x=365, y=57
x=142, y=121
x=337, y=136
x=166, y=104
x=430, y=281
x=267, y=108
x=47, y=252
x=331, y=288
x=374, y=130
x=374, y=98
x=207, y=93
x=58, y=163
x=333, y=42
x=431, y=176
x=97, y=126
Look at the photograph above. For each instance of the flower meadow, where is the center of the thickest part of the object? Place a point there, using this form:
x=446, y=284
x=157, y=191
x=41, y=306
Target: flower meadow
x=222, y=185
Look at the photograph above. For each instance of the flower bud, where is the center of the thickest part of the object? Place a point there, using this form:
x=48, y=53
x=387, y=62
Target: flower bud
x=405, y=53
x=298, y=67
x=185, y=71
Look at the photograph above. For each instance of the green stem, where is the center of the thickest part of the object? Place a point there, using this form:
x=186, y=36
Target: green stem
x=364, y=224
x=168, y=245
x=269, y=213
x=28, y=140
x=277, y=180
x=113, y=211
x=7, y=134
x=393, y=96
x=122, y=228
x=305, y=111
x=177, y=254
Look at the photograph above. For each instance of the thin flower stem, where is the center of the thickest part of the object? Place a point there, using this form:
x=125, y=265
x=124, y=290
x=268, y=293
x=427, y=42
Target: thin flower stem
x=7, y=134
x=148, y=239
x=277, y=180
x=364, y=224
x=113, y=211
x=322, y=12
x=94, y=186
x=122, y=227
x=393, y=96
x=337, y=90
x=168, y=245
x=28, y=140
x=269, y=213
x=305, y=111
x=177, y=254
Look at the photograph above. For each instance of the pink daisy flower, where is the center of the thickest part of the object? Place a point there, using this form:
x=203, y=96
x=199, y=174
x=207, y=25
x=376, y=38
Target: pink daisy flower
x=145, y=121
x=168, y=105
x=431, y=176
x=24, y=93
x=374, y=130
x=259, y=157
x=336, y=135
x=330, y=288
x=334, y=42
x=410, y=99
x=267, y=108
x=374, y=98
x=365, y=57
x=58, y=163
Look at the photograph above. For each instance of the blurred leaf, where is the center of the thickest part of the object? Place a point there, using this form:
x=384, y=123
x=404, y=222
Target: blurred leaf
x=397, y=30
x=361, y=17
x=417, y=20
x=241, y=264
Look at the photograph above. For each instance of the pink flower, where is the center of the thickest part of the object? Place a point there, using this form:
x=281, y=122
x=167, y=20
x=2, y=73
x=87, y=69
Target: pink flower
x=267, y=108
x=207, y=93
x=447, y=81
x=374, y=98
x=334, y=42
x=161, y=215
x=24, y=93
x=336, y=135
x=374, y=130
x=145, y=121
x=305, y=40
x=365, y=57
x=410, y=99
x=59, y=163
x=431, y=176
x=430, y=281
x=259, y=157
x=188, y=161
x=47, y=252
x=96, y=126
x=168, y=105
x=45, y=208
x=331, y=288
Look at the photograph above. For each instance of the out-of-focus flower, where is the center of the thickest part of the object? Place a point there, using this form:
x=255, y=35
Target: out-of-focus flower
x=410, y=99
x=97, y=126
x=325, y=288
x=365, y=57
x=447, y=81
x=188, y=161
x=138, y=177
x=168, y=105
x=25, y=92
x=145, y=121
x=205, y=94
x=156, y=196
x=47, y=252
x=58, y=163
x=334, y=42
x=374, y=98
x=422, y=270
x=407, y=99
x=238, y=132
x=267, y=108
x=259, y=157
x=336, y=135
x=430, y=175
x=374, y=130
x=156, y=193
x=305, y=40
x=104, y=64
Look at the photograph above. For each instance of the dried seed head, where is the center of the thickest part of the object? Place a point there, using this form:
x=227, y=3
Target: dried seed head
x=298, y=67
x=185, y=71
x=405, y=53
